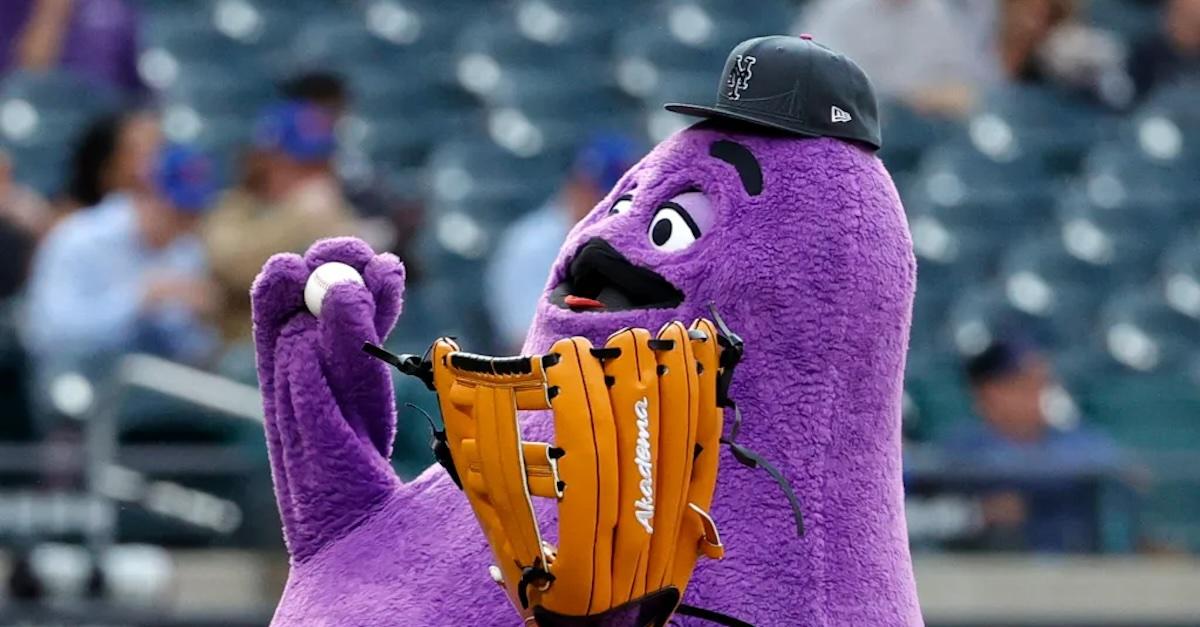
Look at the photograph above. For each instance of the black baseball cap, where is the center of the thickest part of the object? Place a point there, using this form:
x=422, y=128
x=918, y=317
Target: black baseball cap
x=794, y=84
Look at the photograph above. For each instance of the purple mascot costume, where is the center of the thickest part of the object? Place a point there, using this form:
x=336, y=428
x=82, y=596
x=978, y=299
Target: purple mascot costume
x=789, y=224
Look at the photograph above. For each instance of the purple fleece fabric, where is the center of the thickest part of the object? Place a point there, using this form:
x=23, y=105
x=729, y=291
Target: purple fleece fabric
x=817, y=275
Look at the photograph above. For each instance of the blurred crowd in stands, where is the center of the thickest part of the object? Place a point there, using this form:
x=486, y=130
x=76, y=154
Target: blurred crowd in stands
x=154, y=153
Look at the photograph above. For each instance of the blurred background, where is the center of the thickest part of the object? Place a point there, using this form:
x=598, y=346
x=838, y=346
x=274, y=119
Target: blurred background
x=153, y=153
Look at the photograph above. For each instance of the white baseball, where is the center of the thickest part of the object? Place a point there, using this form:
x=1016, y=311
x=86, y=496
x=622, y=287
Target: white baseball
x=324, y=277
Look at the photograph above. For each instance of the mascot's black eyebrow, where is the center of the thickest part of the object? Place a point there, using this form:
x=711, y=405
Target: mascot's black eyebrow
x=742, y=160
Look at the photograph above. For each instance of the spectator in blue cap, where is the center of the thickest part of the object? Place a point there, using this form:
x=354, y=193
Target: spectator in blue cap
x=299, y=200
x=1043, y=464
x=521, y=262
x=129, y=275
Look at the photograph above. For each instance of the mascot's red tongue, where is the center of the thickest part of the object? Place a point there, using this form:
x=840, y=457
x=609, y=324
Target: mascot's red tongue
x=579, y=302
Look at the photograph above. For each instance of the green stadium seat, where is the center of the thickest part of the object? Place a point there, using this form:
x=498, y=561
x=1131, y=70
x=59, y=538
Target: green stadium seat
x=480, y=168
x=1171, y=513
x=907, y=134
x=211, y=90
x=1181, y=276
x=1121, y=172
x=1149, y=412
x=1133, y=20
x=647, y=53
x=985, y=312
x=1041, y=124
x=492, y=53
x=1176, y=103
x=1046, y=279
x=769, y=17
x=935, y=386
x=58, y=92
x=1128, y=239
x=1145, y=334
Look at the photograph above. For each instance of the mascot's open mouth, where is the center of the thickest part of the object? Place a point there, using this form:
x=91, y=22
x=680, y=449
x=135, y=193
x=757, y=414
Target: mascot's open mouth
x=601, y=278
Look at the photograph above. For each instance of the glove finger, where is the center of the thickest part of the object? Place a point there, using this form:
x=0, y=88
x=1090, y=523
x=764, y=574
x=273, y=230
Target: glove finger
x=583, y=428
x=703, y=477
x=361, y=384
x=333, y=476
x=677, y=386
x=384, y=275
x=327, y=476
x=633, y=392
x=276, y=295
x=348, y=250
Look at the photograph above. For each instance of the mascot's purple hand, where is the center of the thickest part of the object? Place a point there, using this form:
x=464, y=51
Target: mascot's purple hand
x=329, y=407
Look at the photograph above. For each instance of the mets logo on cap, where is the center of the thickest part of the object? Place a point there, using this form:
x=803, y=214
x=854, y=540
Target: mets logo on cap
x=740, y=74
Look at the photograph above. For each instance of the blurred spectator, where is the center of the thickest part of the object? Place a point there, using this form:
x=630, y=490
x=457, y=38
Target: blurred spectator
x=396, y=214
x=127, y=275
x=1043, y=42
x=113, y=155
x=97, y=39
x=1172, y=55
x=1047, y=502
x=298, y=201
x=324, y=89
x=919, y=51
x=24, y=217
x=521, y=262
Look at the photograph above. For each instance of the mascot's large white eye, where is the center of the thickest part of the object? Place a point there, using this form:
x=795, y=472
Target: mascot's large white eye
x=680, y=221
x=672, y=228
x=623, y=204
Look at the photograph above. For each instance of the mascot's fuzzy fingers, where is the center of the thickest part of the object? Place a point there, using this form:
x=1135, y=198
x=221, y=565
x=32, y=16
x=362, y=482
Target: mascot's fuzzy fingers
x=329, y=408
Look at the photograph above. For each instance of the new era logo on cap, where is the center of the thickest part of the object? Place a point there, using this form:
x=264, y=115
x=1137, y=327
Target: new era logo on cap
x=790, y=84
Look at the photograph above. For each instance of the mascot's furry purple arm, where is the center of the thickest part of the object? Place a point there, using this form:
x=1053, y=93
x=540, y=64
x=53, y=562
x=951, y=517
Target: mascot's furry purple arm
x=804, y=250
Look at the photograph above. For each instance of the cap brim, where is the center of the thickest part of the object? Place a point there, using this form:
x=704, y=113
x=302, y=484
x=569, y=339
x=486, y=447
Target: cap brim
x=713, y=112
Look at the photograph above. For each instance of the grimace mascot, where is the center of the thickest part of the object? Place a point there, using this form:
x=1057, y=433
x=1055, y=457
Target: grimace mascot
x=775, y=210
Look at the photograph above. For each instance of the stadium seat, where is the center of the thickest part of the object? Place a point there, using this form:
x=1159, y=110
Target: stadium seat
x=58, y=91
x=1038, y=123
x=393, y=145
x=648, y=54
x=479, y=167
x=696, y=17
x=211, y=91
x=41, y=115
x=1144, y=333
x=174, y=39
x=907, y=134
x=1119, y=172
x=1171, y=512
x=493, y=53
x=985, y=313
x=957, y=172
x=343, y=43
x=1132, y=20
x=975, y=226
x=1176, y=103
x=1152, y=412
x=1045, y=279
x=1129, y=237
x=1181, y=276
x=42, y=168
x=566, y=114
x=935, y=385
